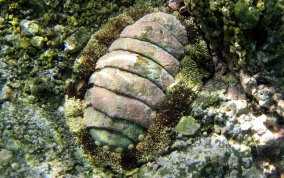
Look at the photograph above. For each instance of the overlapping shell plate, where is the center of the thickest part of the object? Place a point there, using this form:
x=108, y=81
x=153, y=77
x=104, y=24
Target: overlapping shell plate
x=130, y=81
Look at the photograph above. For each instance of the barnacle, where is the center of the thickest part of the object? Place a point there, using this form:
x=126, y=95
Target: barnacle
x=130, y=81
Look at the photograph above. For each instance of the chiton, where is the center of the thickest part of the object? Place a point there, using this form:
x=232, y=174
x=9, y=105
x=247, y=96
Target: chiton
x=129, y=82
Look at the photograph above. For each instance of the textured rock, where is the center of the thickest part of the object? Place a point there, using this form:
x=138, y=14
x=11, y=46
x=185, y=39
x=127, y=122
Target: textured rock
x=212, y=156
x=76, y=41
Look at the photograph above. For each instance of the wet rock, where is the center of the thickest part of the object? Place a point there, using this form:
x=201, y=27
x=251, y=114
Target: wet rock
x=263, y=95
x=6, y=93
x=30, y=27
x=234, y=93
x=34, y=130
x=235, y=107
x=212, y=156
x=76, y=41
x=248, y=83
x=280, y=107
x=5, y=158
x=37, y=41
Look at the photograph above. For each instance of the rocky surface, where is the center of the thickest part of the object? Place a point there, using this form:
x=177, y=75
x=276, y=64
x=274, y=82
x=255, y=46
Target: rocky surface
x=208, y=157
x=230, y=85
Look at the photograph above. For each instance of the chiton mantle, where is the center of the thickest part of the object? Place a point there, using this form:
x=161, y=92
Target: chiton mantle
x=129, y=82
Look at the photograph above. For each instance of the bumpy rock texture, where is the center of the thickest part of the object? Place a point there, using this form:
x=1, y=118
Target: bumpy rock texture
x=216, y=158
x=232, y=75
x=131, y=79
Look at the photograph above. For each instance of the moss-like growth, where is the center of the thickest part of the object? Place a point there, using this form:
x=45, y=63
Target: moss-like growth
x=158, y=136
x=246, y=13
x=198, y=51
x=205, y=101
x=73, y=114
x=228, y=26
x=37, y=87
x=190, y=74
x=195, y=66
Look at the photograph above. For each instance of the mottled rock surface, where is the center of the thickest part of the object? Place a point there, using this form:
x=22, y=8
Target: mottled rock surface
x=234, y=80
x=211, y=156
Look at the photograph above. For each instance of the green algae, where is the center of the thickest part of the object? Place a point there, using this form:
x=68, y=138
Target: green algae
x=195, y=65
x=35, y=83
x=247, y=14
x=36, y=73
x=187, y=126
x=228, y=26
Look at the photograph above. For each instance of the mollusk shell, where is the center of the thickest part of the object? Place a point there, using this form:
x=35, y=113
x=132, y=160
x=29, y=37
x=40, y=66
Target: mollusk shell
x=130, y=80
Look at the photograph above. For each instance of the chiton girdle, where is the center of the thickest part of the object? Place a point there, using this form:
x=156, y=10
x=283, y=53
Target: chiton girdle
x=129, y=82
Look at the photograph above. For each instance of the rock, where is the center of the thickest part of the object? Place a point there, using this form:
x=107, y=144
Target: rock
x=187, y=126
x=280, y=107
x=25, y=129
x=76, y=41
x=5, y=157
x=263, y=95
x=30, y=27
x=208, y=157
x=37, y=41
x=247, y=82
x=258, y=125
x=237, y=107
x=234, y=92
x=6, y=93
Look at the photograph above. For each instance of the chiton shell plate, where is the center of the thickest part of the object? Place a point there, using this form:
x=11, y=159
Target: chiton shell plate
x=129, y=82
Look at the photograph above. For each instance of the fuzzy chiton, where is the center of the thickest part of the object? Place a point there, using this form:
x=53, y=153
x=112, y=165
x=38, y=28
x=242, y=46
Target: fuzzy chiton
x=129, y=82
